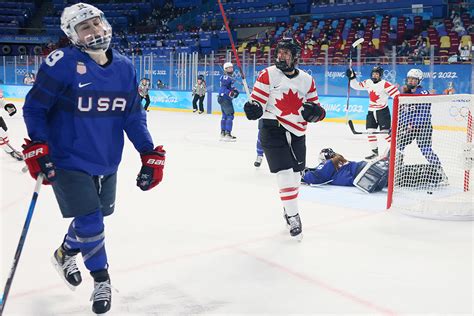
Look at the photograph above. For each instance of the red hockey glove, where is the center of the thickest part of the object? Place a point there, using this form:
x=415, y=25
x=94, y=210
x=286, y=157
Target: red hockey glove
x=151, y=172
x=37, y=159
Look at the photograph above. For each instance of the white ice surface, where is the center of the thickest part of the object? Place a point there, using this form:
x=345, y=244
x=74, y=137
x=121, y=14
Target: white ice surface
x=211, y=239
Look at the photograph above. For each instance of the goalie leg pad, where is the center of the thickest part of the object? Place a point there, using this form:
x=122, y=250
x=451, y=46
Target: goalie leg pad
x=373, y=177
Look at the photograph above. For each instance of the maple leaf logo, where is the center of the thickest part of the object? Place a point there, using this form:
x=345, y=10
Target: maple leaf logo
x=289, y=104
x=373, y=96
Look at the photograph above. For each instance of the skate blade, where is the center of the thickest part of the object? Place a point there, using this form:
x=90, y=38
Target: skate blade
x=60, y=272
x=298, y=237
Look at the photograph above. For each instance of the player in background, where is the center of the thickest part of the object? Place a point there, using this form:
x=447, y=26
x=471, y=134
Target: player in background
x=227, y=93
x=143, y=89
x=84, y=99
x=286, y=99
x=199, y=92
x=378, y=115
x=4, y=141
x=259, y=148
x=415, y=122
x=450, y=89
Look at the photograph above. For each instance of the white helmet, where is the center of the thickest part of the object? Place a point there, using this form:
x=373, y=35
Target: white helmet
x=227, y=65
x=78, y=13
x=415, y=73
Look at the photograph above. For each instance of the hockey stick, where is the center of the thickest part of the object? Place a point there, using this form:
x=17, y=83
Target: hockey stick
x=315, y=185
x=351, y=125
x=226, y=24
x=19, y=248
x=354, y=45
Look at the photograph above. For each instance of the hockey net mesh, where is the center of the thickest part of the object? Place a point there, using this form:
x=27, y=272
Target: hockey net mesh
x=432, y=157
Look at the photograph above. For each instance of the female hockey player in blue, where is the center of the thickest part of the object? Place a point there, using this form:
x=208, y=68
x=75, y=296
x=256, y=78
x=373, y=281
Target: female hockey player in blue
x=415, y=120
x=415, y=124
x=84, y=99
x=227, y=93
x=333, y=169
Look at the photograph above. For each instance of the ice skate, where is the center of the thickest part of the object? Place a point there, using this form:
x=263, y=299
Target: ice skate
x=102, y=295
x=200, y=112
x=375, y=154
x=222, y=135
x=442, y=178
x=258, y=161
x=229, y=137
x=65, y=263
x=195, y=110
x=294, y=226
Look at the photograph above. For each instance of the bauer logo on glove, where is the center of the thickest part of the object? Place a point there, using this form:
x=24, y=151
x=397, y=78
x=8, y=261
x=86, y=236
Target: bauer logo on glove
x=37, y=159
x=151, y=173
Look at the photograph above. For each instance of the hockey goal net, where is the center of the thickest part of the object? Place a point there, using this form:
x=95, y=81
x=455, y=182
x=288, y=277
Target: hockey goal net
x=431, y=156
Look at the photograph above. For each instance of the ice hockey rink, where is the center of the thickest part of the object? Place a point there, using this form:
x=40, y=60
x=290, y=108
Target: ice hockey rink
x=211, y=239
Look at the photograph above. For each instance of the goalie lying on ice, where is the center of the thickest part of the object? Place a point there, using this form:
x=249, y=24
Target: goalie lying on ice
x=334, y=169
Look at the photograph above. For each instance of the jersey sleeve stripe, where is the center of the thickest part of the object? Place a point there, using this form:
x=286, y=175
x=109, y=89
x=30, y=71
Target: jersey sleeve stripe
x=390, y=90
x=313, y=99
x=257, y=98
x=394, y=92
x=265, y=94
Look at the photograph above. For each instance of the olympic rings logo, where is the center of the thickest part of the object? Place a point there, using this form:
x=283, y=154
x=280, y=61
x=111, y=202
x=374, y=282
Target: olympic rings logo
x=20, y=71
x=460, y=112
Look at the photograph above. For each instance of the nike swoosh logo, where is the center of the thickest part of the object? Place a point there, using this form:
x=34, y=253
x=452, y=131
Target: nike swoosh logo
x=82, y=85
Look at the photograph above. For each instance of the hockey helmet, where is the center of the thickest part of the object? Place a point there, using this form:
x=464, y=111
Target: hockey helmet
x=77, y=13
x=228, y=65
x=295, y=49
x=416, y=74
x=326, y=154
x=10, y=108
x=200, y=77
x=379, y=70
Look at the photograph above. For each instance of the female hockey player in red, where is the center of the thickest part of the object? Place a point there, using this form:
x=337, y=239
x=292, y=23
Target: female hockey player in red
x=286, y=99
x=85, y=97
x=379, y=114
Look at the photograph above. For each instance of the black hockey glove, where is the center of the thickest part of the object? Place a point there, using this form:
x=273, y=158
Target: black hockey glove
x=253, y=110
x=350, y=74
x=313, y=112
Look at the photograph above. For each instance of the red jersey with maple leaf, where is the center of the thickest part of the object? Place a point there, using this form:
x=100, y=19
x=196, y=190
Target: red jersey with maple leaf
x=282, y=97
x=378, y=92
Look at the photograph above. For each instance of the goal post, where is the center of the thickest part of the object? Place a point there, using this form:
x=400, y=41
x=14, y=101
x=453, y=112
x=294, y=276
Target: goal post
x=431, y=156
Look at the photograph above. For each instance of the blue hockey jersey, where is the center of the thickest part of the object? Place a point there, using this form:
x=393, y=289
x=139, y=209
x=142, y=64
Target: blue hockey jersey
x=326, y=171
x=81, y=109
x=227, y=85
x=414, y=115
